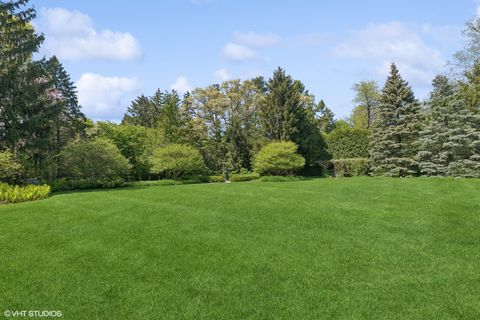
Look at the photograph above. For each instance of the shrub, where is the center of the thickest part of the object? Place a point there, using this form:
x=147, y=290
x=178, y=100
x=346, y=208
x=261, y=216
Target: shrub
x=14, y=194
x=216, y=179
x=350, y=167
x=156, y=183
x=97, y=159
x=313, y=171
x=348, y=143
x=134, y=142
x=280, y=179
x=241, y=177
x=65, y=184
x=10, y=168
x=177, y=160
x=278, y=158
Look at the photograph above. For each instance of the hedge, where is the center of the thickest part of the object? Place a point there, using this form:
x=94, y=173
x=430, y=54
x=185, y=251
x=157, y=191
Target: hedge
x=348, y=143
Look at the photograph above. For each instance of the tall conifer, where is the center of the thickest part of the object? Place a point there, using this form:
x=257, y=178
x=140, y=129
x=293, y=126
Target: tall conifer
x=396, y=129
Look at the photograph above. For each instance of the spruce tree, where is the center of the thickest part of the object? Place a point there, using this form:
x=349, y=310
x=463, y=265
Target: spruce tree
x=450, y=143
x=396, y=129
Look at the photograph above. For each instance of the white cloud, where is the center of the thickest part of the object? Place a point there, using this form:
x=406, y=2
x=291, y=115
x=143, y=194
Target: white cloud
x=105, y=98
x=222, y=75
x=181, y=85
x=252, y=39
x=238, y=52
x=71, y=36
x=394, y=42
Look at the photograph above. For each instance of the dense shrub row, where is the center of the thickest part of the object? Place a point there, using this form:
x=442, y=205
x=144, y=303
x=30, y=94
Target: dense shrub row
x=66, y=184
x=348, y=143
x=14, y=194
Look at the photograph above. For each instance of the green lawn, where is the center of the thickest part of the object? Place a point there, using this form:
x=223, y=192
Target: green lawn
x=360, y=248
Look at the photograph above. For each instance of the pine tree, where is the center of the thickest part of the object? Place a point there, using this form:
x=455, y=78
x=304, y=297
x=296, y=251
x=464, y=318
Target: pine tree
x=450, y=143
x=326, y=117
x=19, y=91
x=144, y=111
x=287, y=112
x=396, y=129
x=280, y=108
x=64, y=111
x=170, y=122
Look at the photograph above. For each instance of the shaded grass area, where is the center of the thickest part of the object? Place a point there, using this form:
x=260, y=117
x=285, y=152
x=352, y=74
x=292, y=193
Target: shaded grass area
x=359, y=248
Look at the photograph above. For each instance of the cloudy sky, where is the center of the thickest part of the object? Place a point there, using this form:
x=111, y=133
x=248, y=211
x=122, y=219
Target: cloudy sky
x=115, y=50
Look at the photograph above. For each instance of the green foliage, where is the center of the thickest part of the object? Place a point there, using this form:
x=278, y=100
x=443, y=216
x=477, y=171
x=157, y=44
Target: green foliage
x=144, y=111
x=240, y=177
x=350, y=167
x=396, y=129
x=367, y=99
x=176, y=160
x=450, y=142
x=156, y=183
x=279, y=158
x=223, y=120
x=326, y=120
x=346, y=142
x=14, y=194
x=216, y=179
x=94, y=159
x=279, y=179
x=10, y=168
x=66, y=184
x=287, y=112
x=134, y=142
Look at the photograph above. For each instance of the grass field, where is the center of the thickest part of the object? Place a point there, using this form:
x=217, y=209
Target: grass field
x=360, y=248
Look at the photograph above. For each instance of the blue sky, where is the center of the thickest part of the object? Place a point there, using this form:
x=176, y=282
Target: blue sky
x=115, y=50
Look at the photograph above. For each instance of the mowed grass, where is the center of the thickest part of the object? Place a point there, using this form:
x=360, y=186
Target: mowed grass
x=360, y=248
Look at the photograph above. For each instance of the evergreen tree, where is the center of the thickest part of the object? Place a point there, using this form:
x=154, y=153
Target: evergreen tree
x=396, y=129
x=170, y=121
x=287, y=112
x=19, y=88
x=450, y=143
x=65, y=114
x=280, y=108
x=326, y=117
x=144, y=111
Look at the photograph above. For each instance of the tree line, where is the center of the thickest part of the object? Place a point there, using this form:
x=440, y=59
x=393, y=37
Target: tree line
x=44, y=135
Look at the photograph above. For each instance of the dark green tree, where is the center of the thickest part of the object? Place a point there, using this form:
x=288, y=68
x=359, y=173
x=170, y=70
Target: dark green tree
x=144, y=111
x=396, y=129
x=19, y=89
x=171, y=123
x=287, y=112
x=326, y=117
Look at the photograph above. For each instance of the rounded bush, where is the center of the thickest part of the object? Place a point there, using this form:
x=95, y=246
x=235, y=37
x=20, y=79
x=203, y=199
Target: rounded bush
x=176, y=160
x=97, y=159
x=278, y=158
